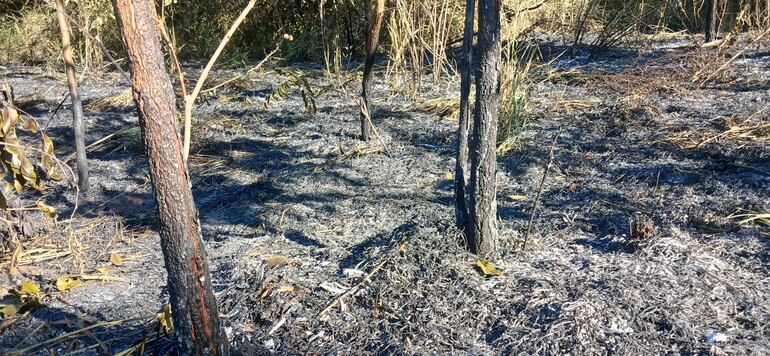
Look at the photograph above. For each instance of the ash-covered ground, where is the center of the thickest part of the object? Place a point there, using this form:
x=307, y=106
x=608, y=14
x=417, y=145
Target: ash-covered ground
x=632, y=249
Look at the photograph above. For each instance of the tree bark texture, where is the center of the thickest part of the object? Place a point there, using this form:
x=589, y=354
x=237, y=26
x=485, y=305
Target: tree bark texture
x=461, y=163
x=371, y=47
x=482, y=210
x=710, y=20
x=196, y=320
x=77, y=107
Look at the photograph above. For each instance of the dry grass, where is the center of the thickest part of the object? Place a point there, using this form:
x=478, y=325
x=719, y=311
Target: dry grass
x=443, y=108
x=735, y=130
x=123, y=100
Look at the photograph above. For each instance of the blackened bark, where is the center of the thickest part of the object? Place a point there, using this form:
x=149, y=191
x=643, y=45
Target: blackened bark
x=461, y=164
x=710, y=20
x=77, y=107
x=196, y=319
x=371, y=47
x=482, y=211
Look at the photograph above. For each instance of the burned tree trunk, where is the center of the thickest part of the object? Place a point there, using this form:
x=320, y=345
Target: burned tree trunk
x=196, y=319
x=375, y=24
x=482, y=210
x=710, y=20
x=461, y=163
x=77, y=107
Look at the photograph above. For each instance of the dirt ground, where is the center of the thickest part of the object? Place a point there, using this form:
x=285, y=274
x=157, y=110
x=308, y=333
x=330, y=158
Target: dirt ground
x=632, y=250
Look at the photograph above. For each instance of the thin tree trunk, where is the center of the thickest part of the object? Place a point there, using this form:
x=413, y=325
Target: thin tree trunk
x=482, y=234
x=461, y=164
x=196, y=319
x=710, y=20
x=77, y=107
x=371, y=47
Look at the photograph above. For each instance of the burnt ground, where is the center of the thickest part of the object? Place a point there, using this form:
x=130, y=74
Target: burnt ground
x=632, y=250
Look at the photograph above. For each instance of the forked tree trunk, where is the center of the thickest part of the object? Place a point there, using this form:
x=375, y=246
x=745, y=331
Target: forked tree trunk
x=710, y=20
x=482, y=210
x=461, y=163
x=77, y=107
x=196, y=320
x=371, y=46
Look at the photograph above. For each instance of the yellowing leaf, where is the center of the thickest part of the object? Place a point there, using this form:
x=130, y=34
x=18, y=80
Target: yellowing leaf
x=65, y=283
x=30, y=125
x=47, y=160
x=488, y=268
x=516, y=197
x=165, y=320
x=9, y=308
x=116, y=259
x=47, y=209
x=29, y=288
x=449, y=176
x=284, y=289
x=9, y=119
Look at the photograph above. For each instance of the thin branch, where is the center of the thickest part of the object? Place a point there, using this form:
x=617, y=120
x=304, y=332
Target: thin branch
x=540, y=190
x=190, y=99
x=251, y=70
x=172, y=49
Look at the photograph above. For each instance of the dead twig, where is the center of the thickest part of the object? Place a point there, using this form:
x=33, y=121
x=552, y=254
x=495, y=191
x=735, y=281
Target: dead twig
x=97, y=142
x=540, y=190
x=365, y=112
x=354, y=289
x=732, y=59
x=239, y=76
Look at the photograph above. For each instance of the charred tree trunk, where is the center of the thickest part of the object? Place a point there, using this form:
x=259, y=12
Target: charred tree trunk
x=482, y=210
x=77, y=107
x=461, y=164
x=710, y=20
x=371, y=47
x=196, y=319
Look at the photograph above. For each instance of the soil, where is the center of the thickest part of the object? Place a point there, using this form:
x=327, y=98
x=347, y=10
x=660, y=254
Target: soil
x=320, y=243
